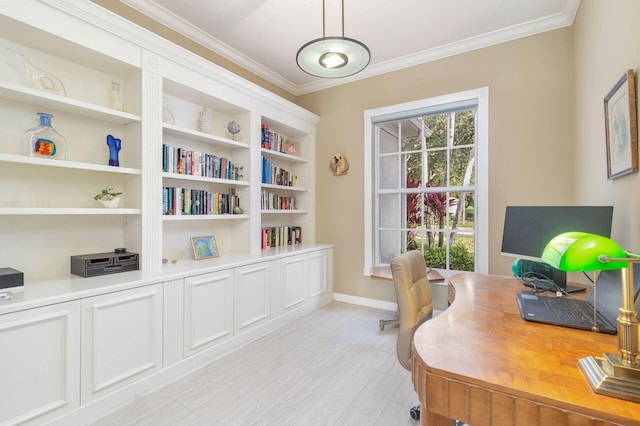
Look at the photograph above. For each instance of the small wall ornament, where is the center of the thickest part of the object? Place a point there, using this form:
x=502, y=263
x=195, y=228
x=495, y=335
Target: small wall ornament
x=339, y=165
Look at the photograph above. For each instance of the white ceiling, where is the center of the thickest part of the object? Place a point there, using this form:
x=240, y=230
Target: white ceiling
x=264, y=36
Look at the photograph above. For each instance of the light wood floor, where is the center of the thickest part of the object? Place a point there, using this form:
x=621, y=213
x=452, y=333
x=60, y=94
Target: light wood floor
x=330, y=367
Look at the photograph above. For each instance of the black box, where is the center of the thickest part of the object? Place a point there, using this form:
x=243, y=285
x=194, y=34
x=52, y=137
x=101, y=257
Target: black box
x=92, y=265
x=9, y=277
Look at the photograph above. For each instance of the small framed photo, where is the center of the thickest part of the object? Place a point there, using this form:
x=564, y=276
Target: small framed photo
x=204, y=247
x=621, y=127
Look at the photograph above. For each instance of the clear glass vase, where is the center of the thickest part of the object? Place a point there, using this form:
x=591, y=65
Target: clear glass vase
x=167, y=115
x=44, y=141
x=116, y=95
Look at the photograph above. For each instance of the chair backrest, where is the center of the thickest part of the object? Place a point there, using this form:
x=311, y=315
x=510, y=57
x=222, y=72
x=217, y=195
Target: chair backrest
x=413, y=294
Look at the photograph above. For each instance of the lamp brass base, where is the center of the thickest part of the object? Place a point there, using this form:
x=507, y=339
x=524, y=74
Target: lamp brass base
x=608, y=376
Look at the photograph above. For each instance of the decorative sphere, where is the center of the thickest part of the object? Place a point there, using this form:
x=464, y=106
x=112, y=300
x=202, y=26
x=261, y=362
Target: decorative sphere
x=233, y=127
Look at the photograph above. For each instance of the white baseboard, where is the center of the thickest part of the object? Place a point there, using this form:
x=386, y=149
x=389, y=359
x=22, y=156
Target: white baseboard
x=363, y=301
x=372, y=303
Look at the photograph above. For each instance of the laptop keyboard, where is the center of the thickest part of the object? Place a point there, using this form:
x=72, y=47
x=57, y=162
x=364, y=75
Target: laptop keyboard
x=573, y=311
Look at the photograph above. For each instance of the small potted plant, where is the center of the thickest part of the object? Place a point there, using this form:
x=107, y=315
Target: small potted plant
x=108, y=198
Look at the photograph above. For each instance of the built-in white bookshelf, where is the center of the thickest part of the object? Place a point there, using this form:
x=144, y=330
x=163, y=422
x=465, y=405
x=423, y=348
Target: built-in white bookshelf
x=154, y=325
x=47, y=206
x=289, y=149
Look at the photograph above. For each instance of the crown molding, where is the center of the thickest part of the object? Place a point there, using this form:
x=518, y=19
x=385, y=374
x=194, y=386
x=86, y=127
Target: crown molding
x=171, y=20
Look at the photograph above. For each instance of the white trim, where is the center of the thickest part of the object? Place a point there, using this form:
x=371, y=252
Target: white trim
x=363, y=301
x=481, y=95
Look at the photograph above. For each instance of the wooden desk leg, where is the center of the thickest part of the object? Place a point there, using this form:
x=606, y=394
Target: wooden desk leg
x=431, y=419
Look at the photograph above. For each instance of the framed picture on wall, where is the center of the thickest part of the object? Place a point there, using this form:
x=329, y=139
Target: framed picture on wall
x=204, y=247
x=621, y=127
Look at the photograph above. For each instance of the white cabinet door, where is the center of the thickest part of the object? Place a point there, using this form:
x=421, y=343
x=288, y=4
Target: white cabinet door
x=252, y=295
x=318, y=267
x=121, y=339
x=295, y=281
x=208, y=310
x=40, y=358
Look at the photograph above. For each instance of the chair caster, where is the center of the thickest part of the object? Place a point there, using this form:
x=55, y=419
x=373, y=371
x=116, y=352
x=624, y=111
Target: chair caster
x=415, y=412
x=381, y=325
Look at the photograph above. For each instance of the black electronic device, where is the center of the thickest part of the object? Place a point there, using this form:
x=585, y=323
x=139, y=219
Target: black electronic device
x=528, y=229
x=92, y=265
x=541, y=275
x=10, y=277
x=574, y=313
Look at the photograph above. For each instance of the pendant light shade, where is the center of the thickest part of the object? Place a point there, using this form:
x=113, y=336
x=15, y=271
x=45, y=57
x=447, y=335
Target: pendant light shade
x=333, y=57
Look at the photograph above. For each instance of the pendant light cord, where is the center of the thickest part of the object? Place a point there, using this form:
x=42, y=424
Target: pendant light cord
x=342, y=18
x=323, y=21
x=324, y=25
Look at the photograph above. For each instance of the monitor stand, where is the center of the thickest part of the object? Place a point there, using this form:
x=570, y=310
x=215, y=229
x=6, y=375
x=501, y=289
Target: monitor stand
x=560, y=278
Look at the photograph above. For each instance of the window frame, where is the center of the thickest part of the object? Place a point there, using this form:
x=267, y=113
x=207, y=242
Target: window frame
x=478, y=98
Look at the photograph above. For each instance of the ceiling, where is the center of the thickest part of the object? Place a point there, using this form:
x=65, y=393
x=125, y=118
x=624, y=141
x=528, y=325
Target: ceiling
x=264, y=36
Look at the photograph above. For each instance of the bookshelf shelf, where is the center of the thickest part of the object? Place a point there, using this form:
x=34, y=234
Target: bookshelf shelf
x=274, y=211
x=187, y=217
x=284, y=188
x=282, y=156
x=44, y=100
x=65, y=211
x=173, y=130
x=44, y=162
x=205, y=179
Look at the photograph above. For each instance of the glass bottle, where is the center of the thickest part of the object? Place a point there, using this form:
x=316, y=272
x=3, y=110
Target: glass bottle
x=44, y=141
x=167, y=115
x=116, y=96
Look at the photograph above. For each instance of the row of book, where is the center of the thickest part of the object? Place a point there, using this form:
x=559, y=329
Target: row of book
x=277, y=142
x=194, y=163
x=271, y=201
x=185, y=201
x=279, y=236
x=272, y=140
x=277, y=176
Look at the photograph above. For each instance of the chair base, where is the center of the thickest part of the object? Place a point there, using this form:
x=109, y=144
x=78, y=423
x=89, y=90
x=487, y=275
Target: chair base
x=394, y=321
x=414, y=412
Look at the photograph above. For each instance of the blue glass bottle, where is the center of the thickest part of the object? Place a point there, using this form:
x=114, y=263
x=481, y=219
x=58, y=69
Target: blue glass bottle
x=44, y=141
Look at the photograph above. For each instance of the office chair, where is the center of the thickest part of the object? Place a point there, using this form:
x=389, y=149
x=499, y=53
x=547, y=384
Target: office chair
x=415, y=304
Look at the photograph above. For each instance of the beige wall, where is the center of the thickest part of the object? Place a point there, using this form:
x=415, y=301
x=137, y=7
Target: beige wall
x=530, y=134
x=607, y=43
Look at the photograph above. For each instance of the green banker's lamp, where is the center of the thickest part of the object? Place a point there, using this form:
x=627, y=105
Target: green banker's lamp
x=613, y=375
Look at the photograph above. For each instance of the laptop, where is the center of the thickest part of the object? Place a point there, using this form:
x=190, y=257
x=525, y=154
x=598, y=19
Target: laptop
x=553, y=310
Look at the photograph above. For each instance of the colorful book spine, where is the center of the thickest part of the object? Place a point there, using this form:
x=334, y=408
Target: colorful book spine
x=280, y=236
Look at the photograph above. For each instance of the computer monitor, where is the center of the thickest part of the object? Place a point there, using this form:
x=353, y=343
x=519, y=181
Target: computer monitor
x=528, y=229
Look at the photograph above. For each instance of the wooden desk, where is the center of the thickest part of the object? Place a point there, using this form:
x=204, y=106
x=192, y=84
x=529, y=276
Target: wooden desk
x=480, y=363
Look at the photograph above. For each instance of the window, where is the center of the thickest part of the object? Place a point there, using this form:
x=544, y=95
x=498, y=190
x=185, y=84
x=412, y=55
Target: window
x=426, y=181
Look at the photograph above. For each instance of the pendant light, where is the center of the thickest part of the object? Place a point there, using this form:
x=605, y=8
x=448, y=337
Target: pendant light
x=333, y=57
